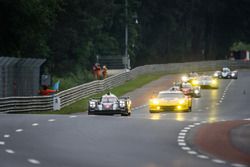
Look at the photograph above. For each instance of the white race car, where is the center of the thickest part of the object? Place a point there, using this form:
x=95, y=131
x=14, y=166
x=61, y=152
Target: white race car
x=109, y=104
x=226, y=73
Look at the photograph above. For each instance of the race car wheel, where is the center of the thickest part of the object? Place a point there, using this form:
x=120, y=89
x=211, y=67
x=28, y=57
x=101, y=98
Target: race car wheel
x=151, y=111
x=90, y=113
x=189, y=109
x=126, y=114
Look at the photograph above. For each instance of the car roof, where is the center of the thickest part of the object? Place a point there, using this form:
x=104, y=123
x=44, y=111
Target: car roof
x=109, y=95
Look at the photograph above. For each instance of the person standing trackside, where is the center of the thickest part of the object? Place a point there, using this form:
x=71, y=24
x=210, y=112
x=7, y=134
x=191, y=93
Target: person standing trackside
x=98, y=71
x=94, y=71
x=104, y=71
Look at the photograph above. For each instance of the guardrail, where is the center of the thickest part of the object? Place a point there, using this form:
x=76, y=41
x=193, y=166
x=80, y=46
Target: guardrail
x=67, y=97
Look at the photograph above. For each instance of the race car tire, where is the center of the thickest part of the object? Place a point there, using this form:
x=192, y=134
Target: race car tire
x=126, y=114
x=151, y=111
x=189, y=109
x=90, y=113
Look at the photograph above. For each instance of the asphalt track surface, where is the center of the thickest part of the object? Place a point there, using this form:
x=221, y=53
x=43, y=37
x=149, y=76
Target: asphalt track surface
x=141, y=140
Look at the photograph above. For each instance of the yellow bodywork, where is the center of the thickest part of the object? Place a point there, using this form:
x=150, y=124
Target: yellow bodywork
x=177, y=104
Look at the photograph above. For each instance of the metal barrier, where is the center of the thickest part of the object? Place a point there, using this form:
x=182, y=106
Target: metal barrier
x=67, y=97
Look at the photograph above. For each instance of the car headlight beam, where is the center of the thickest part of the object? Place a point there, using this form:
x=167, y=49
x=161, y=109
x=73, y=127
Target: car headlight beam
x=92, y=104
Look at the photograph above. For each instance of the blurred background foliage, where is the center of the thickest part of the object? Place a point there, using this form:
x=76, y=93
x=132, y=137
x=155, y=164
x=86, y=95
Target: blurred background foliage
x=70, y=33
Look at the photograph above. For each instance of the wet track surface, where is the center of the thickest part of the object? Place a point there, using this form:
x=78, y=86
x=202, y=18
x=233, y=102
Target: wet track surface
x=142, y=140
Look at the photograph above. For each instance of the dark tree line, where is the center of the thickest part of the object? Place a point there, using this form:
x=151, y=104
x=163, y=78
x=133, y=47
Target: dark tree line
x=70, y=33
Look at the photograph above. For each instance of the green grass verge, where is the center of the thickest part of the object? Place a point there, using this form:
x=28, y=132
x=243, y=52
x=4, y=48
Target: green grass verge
x=82, y=105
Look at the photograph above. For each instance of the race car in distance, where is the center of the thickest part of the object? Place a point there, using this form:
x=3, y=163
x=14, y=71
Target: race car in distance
x=109, y=104
x=206, y=81
x=226, y=73
x=187, y=88
x=170, y=100
x=190, y=90
x=190, y=77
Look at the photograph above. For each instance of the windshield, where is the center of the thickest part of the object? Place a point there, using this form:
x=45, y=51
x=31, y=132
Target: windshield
x=170, y=95
x=109, y=99
x=226, y=70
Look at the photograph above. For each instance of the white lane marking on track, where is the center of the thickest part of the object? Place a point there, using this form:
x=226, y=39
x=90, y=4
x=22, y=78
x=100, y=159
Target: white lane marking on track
x=191, y=126
x=6, y=136
x=247, y=119
x=34, y=161
x=9, y=151
x=35, y=124
x=186, y=148
x=72, y=116
x=187, y=128
x=202, y=156
x=184, y=130
x=182, y=144
x=192, y=152
x=181, y=137
x=238, y=165
x=180, y=140
x=197, y=123
x=51, y=120
x=2, y=143
x=19, y=130
x=182, y=134
x=218, y=161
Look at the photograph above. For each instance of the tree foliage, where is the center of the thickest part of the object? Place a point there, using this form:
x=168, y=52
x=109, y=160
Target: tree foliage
x=70, y=33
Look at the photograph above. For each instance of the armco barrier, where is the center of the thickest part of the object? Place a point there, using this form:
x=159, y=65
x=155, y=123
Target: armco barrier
x=67, y=97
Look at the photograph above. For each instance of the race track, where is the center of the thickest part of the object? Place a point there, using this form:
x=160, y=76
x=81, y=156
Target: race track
x=142, y=140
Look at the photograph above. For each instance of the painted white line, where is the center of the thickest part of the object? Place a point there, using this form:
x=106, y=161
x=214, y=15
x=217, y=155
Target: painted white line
x=9, y=151
x=186, y=148
x=222, y=98
x=2, y=143
x=19, y=130
x=191, y=126
x=197, y=123
x=180, y=140
x=181, y=137
x=34, y=161
x=202, y=156
x=220, y=101
x=35, y=124
x=247, y=119
x=192, y=152
x=73, y=116
x=238, y=165
x=184, y=130
x=218, y=161
x=182, y=144
x=51, y=120
x=6, y=136
x=187, y=128
x=182, y=134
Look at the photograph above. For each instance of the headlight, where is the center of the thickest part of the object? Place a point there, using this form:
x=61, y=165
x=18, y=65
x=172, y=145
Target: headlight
x=92, y=104
x=184, y=78
x=216, y=74
x=155, y=101
x=122, y=103
x=182, y=101
x=233, y=74
x=196, y=91
x=214, y=82
x=195, y=82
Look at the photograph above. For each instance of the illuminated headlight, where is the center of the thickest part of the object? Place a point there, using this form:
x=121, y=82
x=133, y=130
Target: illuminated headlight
x=216, y=74
x=122, y=103
x=214, y=82
x=92, y=104
x=196, y=91
x=182, y=101
x=184, y=78
x=155, y=101
x=233, y=74
x=195, y=82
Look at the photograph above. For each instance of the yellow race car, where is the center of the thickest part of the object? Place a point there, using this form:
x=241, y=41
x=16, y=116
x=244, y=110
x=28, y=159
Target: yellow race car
x=170, y=100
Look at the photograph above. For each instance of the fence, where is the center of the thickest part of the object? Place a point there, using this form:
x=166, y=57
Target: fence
x=67, y=97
